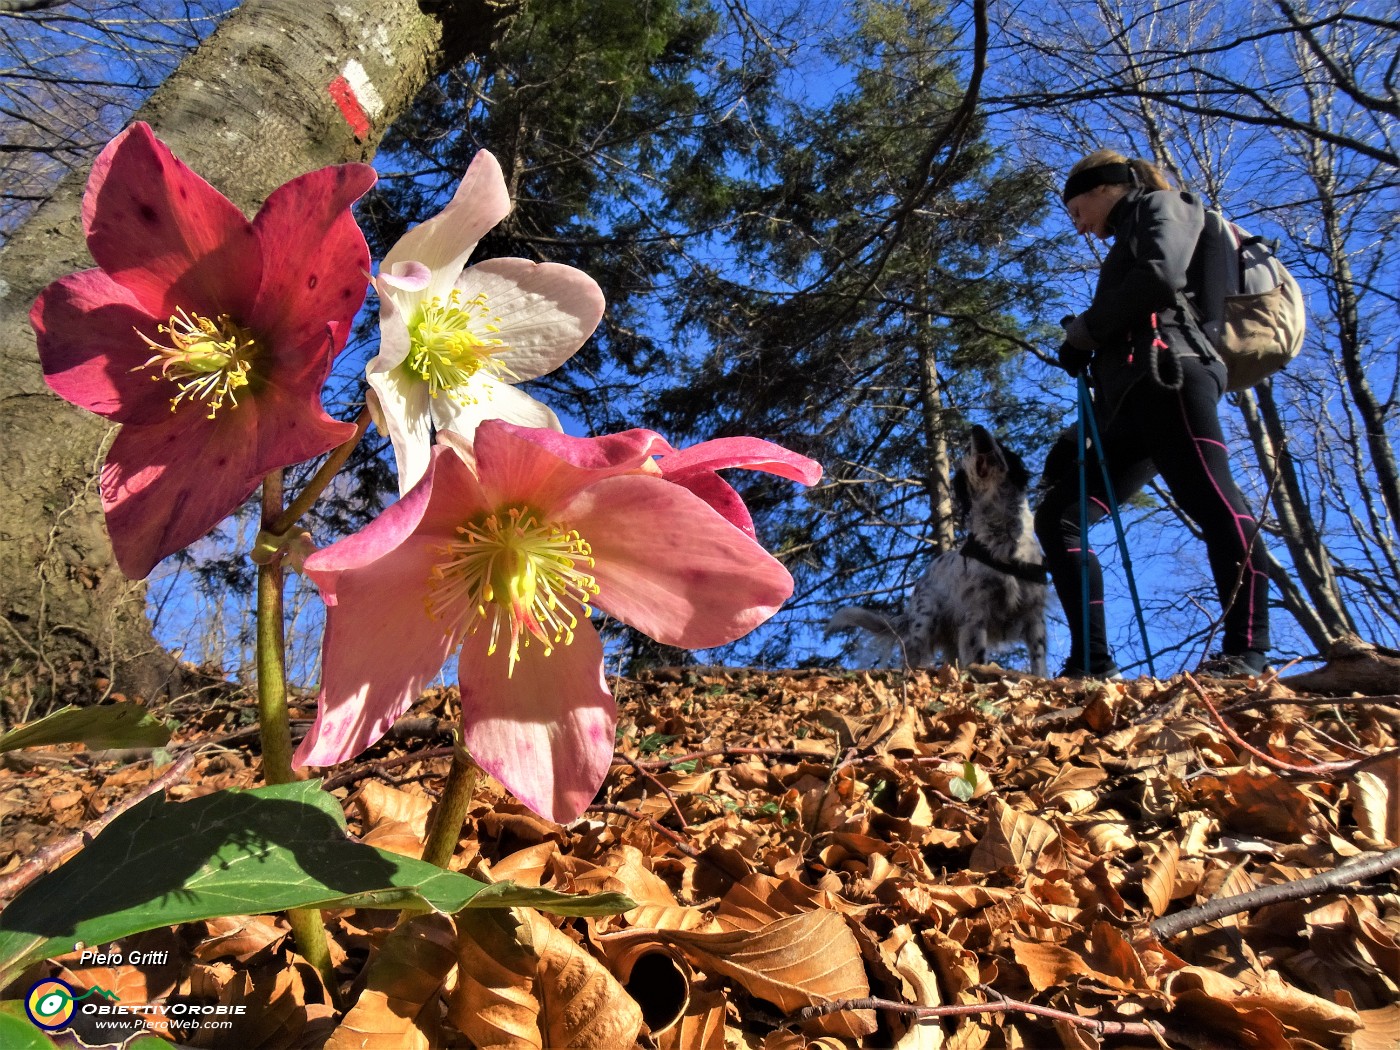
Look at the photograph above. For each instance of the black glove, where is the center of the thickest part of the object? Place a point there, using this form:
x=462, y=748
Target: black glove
x=1073, y=359
x=1077, y=332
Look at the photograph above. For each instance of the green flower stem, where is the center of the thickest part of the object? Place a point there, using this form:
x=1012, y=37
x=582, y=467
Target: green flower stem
x=451, y=811
x=275, y=727
x=329, y=469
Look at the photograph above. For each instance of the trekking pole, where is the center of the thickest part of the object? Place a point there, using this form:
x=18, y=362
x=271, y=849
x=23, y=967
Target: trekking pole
x=1086, y=410
x=1083, y=459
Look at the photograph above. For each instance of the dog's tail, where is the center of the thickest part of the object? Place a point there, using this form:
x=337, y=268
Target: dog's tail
x=853, y=616
x=886, y=641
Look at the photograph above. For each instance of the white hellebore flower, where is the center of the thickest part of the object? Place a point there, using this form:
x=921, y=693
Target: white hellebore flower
x=453, y=340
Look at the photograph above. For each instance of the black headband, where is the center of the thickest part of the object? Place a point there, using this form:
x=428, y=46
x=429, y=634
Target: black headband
x=1099, y=175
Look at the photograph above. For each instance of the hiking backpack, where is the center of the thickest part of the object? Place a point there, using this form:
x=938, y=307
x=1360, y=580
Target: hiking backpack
x=1248, y=305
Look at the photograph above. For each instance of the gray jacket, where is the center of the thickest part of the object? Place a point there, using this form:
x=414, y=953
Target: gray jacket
x=1144, y=276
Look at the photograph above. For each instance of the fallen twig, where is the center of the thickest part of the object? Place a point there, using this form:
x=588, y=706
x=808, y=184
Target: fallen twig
x=52, y=854
x=1363, y=867
x=368, y=769
x=650, y=778
x=790, y=753
x=1317, y=769
x=675, y=840
x=1314, y=701
x=1144, y=1029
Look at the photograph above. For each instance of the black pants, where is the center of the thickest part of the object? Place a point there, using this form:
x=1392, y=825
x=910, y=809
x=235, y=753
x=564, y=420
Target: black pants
x=1174, y=433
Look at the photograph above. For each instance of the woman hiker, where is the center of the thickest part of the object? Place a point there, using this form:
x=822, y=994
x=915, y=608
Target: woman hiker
x=1156, y=386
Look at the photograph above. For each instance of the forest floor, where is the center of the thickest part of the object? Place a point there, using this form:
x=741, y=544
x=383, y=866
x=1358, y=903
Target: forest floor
x=837, y=859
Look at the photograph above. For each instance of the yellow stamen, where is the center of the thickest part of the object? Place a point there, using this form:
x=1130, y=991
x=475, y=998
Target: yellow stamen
x=447, y=346
x=510, y=568
x=208, y=360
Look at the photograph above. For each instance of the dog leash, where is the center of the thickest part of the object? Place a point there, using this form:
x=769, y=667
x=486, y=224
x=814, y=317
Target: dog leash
x=1086, y=412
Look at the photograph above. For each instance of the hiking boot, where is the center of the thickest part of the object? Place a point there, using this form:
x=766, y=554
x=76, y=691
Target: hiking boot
x=1106, y=672
x=1247, y=664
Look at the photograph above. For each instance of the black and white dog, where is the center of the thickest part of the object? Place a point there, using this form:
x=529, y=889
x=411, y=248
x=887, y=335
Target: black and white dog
x=989, y=592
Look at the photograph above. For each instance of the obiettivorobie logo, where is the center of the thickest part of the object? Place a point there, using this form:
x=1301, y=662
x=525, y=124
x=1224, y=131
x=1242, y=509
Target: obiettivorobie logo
x=51, y=1004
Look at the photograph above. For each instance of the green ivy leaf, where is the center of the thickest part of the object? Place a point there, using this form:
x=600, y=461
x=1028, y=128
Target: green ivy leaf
x=110, y=725
x=238, y=852
x=965, y=786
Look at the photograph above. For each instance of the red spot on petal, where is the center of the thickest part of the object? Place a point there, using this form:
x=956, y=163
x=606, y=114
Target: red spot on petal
x=149, y=214
x=312, y=281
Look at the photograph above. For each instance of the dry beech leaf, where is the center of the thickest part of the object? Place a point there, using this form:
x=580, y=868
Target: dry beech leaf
x=398, y=1009
x=494, y=1003
x=796, y=961
x=276, y=1014
x=396, y=836
x=1159, y=876
x=1017, y=839
x=658, y=978
x=239, y=937
x=1380, y=1029
x=1387, y=768
x=378, y=803
x=1316, y=1018
x=1374, y=809
x=1222, y=1023
x=921, y=988
x=701, y=1027
x=208, y=981
x=1116, y=961
x=1049, y=965
x=522, y=983
x=526, y=866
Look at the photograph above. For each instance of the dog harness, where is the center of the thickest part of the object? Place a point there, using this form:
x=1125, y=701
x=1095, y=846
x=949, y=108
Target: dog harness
x=1023, y=570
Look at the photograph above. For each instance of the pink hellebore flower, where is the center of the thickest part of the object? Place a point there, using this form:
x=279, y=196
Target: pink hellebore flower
x=505, y=554
x=453, y=341
x=206, y=336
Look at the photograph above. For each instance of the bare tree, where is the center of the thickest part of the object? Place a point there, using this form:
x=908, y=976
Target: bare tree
x=70, y=72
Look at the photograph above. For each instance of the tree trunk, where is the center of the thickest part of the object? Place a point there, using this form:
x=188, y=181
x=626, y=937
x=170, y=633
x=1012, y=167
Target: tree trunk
x=282, y=87
x=1317, y=603
x=938, y=469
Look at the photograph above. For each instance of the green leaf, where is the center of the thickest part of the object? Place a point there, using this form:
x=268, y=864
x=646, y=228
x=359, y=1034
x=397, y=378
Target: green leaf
x=111, y=725
x=237, y=853
x=965, y=786
x=17, y=1031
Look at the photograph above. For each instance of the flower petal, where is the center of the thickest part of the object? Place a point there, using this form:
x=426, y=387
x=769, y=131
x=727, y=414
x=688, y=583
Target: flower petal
x=382, y=646
x=720, y=495
x=315, y=260
x=86, y=325
x=545, y=731
x=405, y=417
x=165, y=486
x=445, y=242
x=670, y=566
x=747, y=452
x=381, y=650
x=545, y=311
x=491, y=399
x=544, y=467
x=292, y=426
x=694, y=468
x=406, y=277
x=162, y=231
